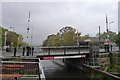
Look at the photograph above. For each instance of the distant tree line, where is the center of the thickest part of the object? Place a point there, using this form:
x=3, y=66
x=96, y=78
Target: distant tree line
x=67, y=36
x=113, y=36
x=13, y=39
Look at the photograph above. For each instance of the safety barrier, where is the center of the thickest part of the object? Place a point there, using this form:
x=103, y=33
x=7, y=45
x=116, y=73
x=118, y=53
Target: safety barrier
x=20, y=68
x=62, y=50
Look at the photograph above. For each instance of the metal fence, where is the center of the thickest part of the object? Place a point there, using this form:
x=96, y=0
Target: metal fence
x=48, y=51
x=63, y=50
x=20, y=68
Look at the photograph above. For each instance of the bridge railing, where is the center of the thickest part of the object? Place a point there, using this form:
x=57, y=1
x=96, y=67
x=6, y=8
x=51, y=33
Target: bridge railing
x=64, y=50
x=22, y=68
x=111, y=48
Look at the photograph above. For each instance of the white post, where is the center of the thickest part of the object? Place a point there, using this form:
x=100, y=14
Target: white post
x=5, y=40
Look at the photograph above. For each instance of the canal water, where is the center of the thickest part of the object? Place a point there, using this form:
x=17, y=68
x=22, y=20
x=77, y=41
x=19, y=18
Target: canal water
x=56, y=69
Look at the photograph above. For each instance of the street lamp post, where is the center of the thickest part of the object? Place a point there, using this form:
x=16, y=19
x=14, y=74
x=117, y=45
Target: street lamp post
x=5, y=39
x=13, y=31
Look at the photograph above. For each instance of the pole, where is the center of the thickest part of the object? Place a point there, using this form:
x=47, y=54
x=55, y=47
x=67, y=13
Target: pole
x=78, y=43
x=107, y=33
x=110, y=54
x=5, y=43
x=77, y=38
x=5, y=40
x=99, y=36
x=32, y=48
x=28, y=28
x=13, y=32
x=18, y=43
x=99, y=47
x=109, y=30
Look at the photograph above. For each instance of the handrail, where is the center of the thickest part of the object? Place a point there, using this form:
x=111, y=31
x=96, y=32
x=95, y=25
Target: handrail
x=16, y=62
x=65, y=46
x=14, y=69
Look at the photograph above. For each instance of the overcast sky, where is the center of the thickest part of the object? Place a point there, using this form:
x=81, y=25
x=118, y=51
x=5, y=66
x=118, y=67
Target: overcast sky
x=49, y=17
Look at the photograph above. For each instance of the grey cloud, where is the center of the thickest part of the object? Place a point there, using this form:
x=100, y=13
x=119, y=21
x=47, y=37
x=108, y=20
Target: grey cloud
x=48, y=17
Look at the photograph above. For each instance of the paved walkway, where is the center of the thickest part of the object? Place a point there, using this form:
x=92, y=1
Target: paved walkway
x=8, y=54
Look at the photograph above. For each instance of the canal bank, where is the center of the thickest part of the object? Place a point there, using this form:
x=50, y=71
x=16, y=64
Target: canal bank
x=94, y=72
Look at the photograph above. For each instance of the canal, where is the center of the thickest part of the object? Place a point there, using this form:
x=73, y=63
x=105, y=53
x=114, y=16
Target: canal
x=56, y=69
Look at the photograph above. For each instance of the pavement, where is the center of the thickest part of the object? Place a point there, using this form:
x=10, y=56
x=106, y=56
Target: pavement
x=8, y=54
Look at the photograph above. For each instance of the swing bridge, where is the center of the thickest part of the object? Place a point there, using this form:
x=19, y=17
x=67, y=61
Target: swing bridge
x=25, y=67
